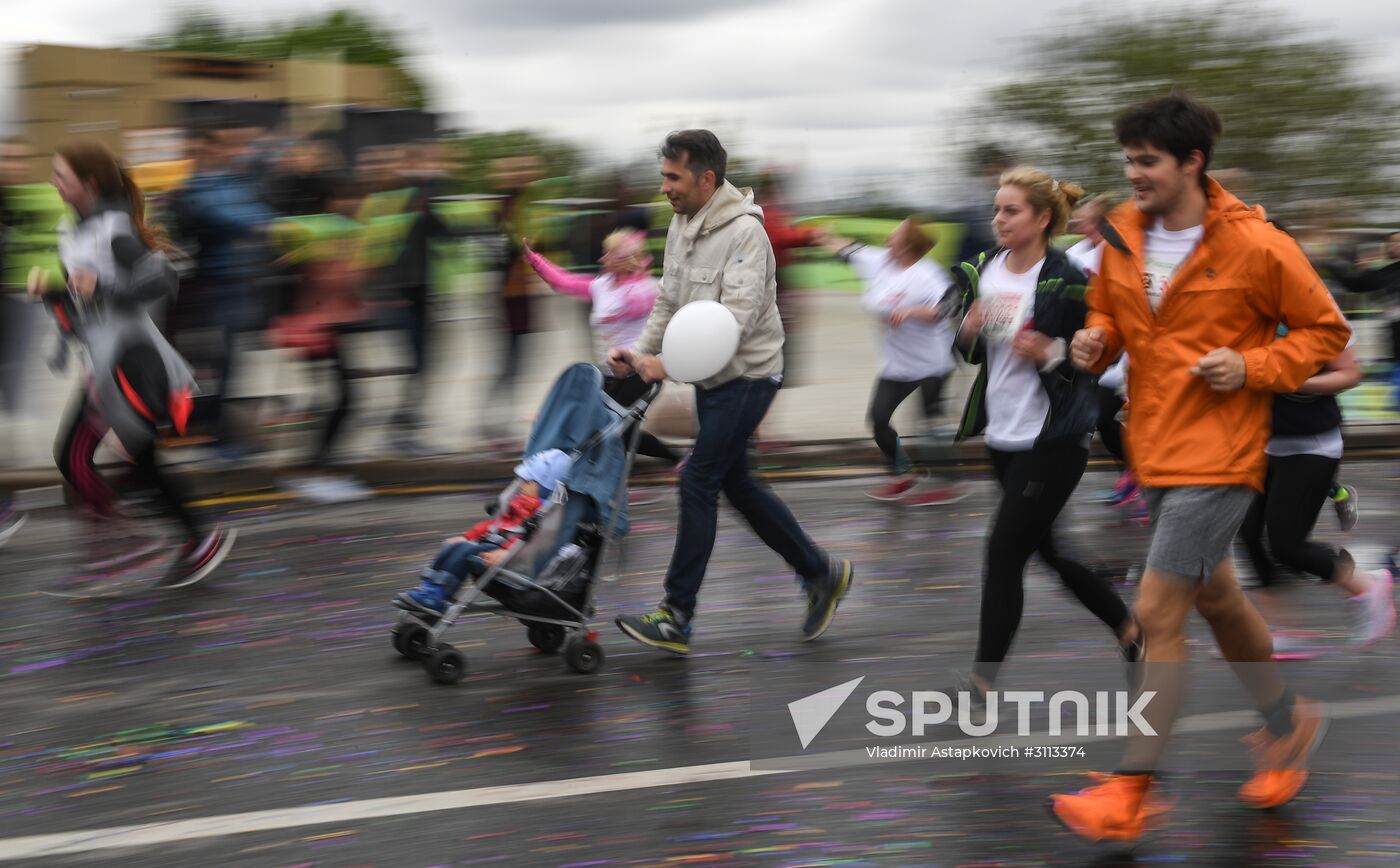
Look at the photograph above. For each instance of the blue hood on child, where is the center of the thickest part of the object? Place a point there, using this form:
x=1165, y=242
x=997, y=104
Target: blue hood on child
x=547, y=469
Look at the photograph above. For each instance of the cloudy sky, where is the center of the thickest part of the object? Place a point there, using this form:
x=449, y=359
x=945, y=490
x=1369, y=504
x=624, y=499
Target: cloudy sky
x=849, y=92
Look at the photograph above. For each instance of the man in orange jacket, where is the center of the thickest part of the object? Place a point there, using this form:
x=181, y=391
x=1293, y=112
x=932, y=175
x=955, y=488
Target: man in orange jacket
x=1193, y=286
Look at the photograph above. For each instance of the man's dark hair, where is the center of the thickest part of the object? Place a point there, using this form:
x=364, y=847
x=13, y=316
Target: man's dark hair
x=1175, y=124
x=700, y=151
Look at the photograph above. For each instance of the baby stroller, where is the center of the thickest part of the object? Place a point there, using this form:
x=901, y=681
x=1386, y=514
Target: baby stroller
x=546, y=582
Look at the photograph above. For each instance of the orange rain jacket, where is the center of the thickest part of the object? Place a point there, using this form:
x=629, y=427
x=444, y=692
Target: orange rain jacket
x=1243, y=280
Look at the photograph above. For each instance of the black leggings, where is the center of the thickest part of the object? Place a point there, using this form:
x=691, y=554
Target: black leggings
x=888, y=395
x=335, y=418
x=1110, y=429
x=74, y=452
x=625, y=391
x=416, y=331
x=148, y=472
x=1294, y=489
x=1035, y=486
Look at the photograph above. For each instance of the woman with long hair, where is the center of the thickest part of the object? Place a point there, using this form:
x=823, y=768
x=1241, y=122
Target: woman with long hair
x=134, y=383
x=1024, y=301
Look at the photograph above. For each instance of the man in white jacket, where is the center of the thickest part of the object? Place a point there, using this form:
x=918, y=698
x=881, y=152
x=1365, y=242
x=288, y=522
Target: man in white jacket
x=716, y=250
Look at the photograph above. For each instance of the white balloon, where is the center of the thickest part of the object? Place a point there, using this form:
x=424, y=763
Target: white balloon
x=700, y=340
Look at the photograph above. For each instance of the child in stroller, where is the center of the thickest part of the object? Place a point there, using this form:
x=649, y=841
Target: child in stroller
x=544, y=550
x=485, y=544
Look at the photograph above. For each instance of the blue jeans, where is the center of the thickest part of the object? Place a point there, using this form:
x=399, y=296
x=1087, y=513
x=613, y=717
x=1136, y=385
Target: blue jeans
x=453, y=563
x=728, y=416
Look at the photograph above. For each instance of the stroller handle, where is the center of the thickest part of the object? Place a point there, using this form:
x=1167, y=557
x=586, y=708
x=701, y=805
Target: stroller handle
x=637, y=410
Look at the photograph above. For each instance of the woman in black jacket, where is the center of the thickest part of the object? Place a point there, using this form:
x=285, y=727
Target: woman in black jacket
x=1024, y=301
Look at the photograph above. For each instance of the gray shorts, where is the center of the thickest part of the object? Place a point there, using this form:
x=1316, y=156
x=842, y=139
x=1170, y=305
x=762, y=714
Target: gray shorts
x=1193, y=527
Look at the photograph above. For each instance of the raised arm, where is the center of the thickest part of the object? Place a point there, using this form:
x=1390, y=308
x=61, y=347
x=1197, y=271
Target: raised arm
x=558, y=278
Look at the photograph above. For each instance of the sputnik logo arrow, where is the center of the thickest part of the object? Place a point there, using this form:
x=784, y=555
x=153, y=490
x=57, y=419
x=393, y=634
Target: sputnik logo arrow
x=811, y=714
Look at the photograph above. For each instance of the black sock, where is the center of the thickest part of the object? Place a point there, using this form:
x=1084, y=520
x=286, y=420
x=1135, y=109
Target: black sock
x=1279, y=716
x=1133, y=772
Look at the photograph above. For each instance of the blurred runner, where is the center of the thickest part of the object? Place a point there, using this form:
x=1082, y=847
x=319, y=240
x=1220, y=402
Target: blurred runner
x=1204, y=363
x=134, y=383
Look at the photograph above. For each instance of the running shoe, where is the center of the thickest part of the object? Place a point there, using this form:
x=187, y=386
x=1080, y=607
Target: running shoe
x=1135, y=510
x=1374, y=611
x=823, y=596
x=1348, y=507
x=1123, y=489
x=943, y=495
x=1114, y=809
x=1130, y=499
x=1281, y=762
x=658, y=629
x=893, y=489
x=199, y=557
x=963, y=682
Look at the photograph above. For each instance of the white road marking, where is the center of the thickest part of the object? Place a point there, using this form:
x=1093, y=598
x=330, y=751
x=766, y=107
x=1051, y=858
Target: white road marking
x=152, y=834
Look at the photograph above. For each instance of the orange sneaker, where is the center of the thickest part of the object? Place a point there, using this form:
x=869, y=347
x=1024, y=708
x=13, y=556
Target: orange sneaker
x=1117, y=809
x=1282, y=763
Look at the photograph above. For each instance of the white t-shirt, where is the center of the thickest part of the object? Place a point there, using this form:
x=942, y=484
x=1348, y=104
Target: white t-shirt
x=1328, y=444
x=1086, y=256
x=1166, y=250
x=919, y=348
x=1016, y=399
x=1116, y=375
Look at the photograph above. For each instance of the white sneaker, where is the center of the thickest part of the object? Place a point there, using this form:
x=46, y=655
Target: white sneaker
x=1375, y=615
x=330, y=490
x=339, y=490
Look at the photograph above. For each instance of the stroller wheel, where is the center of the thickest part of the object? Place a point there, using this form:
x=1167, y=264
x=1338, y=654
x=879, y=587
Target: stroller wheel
x=583, y=655
x=547, y=639
x=447, y=665
x=411, y=641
